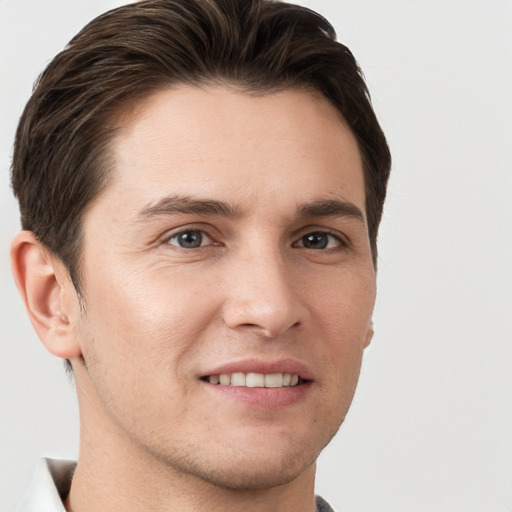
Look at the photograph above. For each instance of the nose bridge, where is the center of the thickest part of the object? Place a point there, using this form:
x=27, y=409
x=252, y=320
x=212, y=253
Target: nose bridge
x=262, y=292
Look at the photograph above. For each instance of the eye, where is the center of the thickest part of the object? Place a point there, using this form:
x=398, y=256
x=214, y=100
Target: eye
x=319, y=240
x=190, y=239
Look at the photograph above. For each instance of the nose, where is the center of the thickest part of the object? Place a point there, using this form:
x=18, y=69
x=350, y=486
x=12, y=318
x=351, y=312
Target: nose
x=263, y=295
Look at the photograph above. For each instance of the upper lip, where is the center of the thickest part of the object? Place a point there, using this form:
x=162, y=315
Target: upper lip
x=266, y=366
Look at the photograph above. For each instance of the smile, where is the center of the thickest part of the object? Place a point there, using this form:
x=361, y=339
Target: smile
x=255, y=380
x=261, y=384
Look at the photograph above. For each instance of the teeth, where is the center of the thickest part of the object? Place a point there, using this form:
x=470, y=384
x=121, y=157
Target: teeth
x=238, y=379
x=255, y=380
x=274, y=380
x=225, y=379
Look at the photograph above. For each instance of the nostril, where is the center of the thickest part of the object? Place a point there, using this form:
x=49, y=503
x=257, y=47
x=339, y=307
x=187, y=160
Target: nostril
x=267, y=332
x=262, y=315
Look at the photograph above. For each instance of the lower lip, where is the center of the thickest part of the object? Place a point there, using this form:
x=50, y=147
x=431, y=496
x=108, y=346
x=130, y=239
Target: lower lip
x=264, y=398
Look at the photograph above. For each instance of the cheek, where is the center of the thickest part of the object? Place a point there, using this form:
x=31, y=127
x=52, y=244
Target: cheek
x=343, y=315
x=144, y=301
x=137, y=345
x=144, y=322
x=345, y=305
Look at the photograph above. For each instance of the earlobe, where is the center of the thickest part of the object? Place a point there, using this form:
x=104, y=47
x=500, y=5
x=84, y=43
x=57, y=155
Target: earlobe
x=47, y=293
x=369, y=335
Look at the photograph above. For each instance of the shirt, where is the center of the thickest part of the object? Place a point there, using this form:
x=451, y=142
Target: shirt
x=51, y=482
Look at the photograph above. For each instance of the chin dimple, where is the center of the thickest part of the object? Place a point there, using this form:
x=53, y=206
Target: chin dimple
x=255, y=380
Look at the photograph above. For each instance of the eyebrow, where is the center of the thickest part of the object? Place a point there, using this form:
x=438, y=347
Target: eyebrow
x=331, y=208
x=188, y=205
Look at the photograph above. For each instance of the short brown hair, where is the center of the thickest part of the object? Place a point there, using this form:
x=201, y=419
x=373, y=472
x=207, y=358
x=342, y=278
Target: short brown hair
x=60, y=161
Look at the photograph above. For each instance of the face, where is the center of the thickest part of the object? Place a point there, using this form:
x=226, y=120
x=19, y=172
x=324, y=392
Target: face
x=228, y=284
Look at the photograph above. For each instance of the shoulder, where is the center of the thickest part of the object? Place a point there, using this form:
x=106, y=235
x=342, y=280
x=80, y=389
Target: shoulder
x=322, y=505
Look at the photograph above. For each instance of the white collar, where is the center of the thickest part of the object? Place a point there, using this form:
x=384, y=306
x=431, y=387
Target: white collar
x=49, y=486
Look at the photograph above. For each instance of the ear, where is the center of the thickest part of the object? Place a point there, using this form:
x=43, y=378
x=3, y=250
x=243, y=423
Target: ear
x=48, y=293
x=369, y=335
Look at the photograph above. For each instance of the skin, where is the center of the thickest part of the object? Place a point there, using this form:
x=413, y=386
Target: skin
x=158, y=316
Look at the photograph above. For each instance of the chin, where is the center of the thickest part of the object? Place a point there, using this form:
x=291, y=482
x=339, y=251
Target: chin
x=253, y=475
x=253, y=464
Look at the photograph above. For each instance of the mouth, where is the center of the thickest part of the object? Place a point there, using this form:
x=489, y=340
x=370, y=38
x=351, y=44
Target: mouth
x=258, y=383
x=255, y=380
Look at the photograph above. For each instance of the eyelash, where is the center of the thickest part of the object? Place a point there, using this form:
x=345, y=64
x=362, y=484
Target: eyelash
x=340, y=242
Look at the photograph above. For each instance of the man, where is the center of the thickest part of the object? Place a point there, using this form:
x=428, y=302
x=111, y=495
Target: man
x=200, y=186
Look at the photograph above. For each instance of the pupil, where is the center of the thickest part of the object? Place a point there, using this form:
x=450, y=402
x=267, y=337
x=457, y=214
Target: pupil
x=190, y=239
x=315, y=241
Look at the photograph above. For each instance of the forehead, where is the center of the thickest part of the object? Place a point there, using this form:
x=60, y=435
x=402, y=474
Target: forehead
x=214, y=141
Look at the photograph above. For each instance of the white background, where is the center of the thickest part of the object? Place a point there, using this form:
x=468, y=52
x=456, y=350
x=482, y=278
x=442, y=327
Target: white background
x=431, y=424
